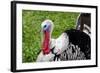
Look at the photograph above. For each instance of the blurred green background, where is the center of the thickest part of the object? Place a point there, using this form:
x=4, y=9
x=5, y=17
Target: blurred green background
x=31, y=29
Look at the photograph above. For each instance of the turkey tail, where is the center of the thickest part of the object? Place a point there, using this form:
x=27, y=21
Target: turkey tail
x=83, y=23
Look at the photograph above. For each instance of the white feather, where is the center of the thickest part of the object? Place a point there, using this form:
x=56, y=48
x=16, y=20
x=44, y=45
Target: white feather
x=45, y=58
x=61, y=43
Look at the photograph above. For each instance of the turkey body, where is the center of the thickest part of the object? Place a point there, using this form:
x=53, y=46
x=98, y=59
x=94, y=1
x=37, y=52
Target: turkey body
x=79, y=45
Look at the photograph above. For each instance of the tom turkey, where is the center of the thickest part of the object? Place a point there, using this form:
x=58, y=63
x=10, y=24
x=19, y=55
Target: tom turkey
x=70, y=45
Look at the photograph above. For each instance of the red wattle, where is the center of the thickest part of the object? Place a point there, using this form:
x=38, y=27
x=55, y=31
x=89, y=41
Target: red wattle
x=45, y=47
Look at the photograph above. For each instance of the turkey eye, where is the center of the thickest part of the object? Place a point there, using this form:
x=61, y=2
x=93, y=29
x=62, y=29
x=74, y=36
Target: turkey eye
x=45, y=26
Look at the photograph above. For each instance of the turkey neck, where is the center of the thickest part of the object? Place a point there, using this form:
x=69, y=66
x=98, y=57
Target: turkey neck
x=46, y=40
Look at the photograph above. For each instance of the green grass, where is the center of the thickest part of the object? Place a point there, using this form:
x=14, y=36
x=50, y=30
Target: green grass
x=31, y=26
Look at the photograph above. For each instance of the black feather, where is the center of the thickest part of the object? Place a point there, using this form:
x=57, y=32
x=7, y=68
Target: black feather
x=81, y=39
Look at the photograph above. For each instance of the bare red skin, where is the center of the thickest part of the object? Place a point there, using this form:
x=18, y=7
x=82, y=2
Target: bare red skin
x=45, y=46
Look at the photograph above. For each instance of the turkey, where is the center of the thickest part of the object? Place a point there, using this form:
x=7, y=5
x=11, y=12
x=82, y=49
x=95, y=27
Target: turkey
x=71, y=44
